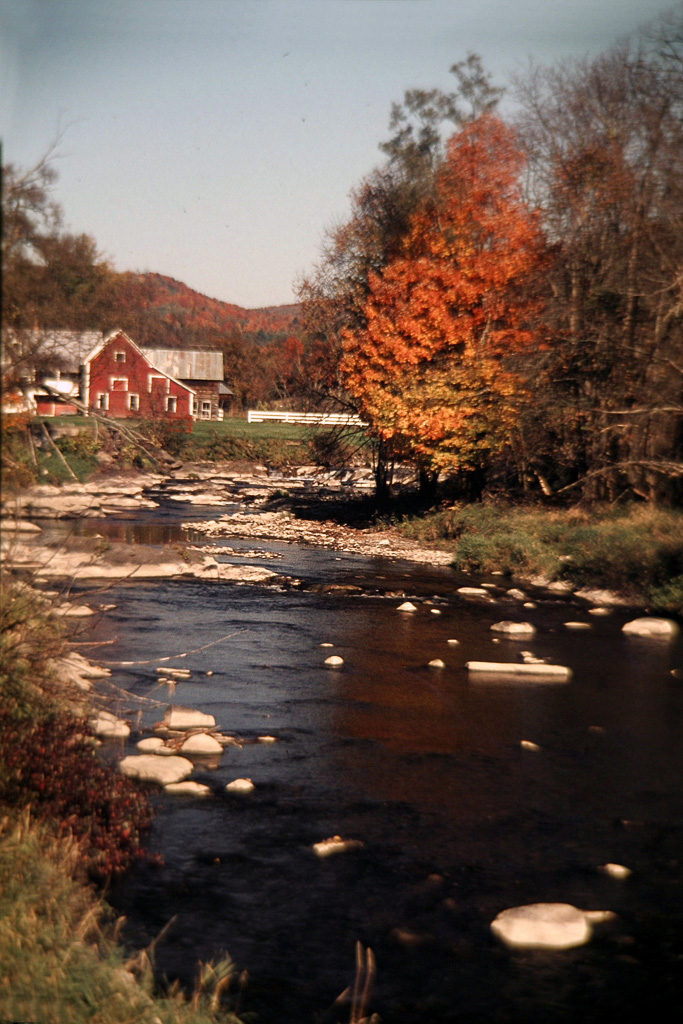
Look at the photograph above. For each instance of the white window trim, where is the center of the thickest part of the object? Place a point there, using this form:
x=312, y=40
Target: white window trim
x=117, y=380
x=131, y=396
x=174, y=399
x=103, y=406
x=157, y=376
x=117, y=354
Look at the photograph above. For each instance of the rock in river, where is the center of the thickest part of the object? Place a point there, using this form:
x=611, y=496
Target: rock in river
x=200, y=743
x=188, y=788
x=151, y=768
x=187, y=718
x=240, y=786
x=546, y=926
x=520, y=629
x=659, y=629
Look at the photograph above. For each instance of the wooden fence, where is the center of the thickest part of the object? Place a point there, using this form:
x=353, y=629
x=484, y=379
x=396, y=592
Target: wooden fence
x=325, y=419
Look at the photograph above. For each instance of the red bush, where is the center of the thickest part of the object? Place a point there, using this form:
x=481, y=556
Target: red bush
x=51, y=765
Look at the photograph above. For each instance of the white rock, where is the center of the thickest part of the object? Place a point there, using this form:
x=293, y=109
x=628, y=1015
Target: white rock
x=514, y=628
x=74, y=611
x=435, y=611
x=180, y=673
x=150, y=744
x=335, y=845
x=473, y=592
x=188, y=788
x=529, y=604
x=407, y=606
x=106, y=716
x=200, y=743
x=187, y=718
x=240, y=786
x=18, y=526
x=616, y=871
x=516, y=595
x=601, y=597
x=334, y=661
x=437, y=663
x=111, y=730
x=267, y=739
x=560, y=586
x=528, y=745
x=452, y=641
x=600, y=611
x=577, y=625
x=559, y=673
x=542, y=926
x=326, y=645
x=150, y=768
x=660, y=629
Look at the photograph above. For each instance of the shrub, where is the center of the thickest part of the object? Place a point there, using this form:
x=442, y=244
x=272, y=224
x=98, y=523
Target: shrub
x=52, y=766
x=47, y=758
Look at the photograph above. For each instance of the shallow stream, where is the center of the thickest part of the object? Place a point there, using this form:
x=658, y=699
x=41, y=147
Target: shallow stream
x=424, y=766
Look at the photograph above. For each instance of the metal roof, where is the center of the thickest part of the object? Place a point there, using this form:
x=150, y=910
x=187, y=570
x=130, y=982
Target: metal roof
x=187, y=364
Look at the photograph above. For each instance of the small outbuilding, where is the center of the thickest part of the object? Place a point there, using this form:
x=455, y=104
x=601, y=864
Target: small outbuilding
x=201, y=370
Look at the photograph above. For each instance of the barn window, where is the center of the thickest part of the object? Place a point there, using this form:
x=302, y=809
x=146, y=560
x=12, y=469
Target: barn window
x=171, y=403
x=103, y=401
x=206, y=410
x=120, y=357
x=134, y=402
x=118, y=383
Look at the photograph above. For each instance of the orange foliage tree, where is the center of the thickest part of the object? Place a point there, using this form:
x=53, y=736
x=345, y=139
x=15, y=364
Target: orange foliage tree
x=433, y=369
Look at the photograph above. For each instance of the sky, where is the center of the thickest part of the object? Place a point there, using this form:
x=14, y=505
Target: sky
x=215, y=141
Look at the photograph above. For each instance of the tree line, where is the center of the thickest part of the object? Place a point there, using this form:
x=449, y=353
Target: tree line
x=503, y=306
x=505, y=303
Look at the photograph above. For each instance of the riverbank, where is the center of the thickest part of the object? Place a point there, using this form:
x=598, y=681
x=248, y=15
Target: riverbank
x=68, y=819
x=633, y=552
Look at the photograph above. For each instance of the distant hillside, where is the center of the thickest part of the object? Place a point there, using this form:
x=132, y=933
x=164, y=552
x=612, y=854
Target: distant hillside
x=159, y=311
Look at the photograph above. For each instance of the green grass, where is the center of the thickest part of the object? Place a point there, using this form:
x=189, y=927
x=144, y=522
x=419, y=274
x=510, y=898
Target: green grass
x=232, y=439
x=636, y=551
x=60, y=962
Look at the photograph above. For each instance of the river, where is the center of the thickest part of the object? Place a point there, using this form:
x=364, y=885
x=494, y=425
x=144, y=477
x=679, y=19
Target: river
x=426, y=769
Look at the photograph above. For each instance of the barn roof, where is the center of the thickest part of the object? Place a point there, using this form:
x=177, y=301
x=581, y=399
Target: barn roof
x=187, y=364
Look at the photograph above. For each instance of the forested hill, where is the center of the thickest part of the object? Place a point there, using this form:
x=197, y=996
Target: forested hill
x=160, y=311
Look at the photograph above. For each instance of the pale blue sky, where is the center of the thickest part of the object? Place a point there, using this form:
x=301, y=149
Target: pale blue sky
x=215, y=140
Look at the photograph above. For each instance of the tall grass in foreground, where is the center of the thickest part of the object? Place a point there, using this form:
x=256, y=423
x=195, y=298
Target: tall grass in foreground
x=636, y=551
x=59, y=958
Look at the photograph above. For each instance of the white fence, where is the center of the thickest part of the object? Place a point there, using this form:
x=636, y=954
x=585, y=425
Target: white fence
x=325, y=419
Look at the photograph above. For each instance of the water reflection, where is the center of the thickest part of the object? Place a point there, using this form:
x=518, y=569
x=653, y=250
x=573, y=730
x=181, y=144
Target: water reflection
x=425, y=767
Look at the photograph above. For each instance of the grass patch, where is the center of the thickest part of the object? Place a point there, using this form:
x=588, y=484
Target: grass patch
x=636, y=551
x=59, y=958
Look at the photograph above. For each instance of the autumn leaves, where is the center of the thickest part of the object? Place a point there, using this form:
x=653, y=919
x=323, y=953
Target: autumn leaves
x=432, y=367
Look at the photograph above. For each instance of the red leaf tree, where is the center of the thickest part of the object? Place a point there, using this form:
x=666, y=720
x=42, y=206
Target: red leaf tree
x=433, y=370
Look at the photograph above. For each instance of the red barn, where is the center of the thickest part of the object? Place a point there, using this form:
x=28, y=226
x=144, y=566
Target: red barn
x=120, y=380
